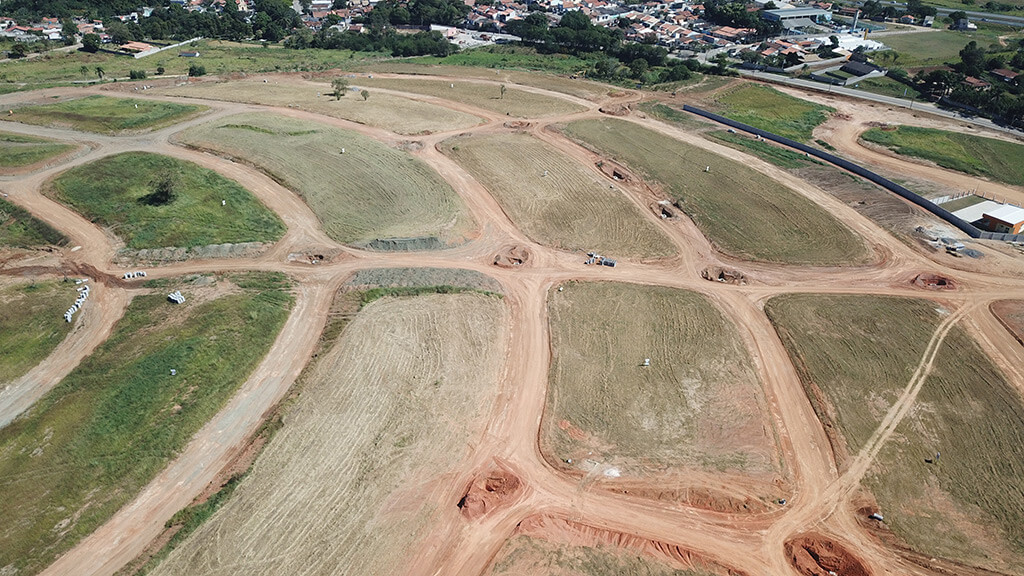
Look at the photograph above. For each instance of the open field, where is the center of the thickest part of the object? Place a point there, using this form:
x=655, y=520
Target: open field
x=934, y=48
x=988, y=157
x=571, y=208
x=19, y=229
x=17, y=150
x=89, y=445
x=962, y=202
x=1011, y=314
x=781, y=156
x=698, y=405
x=384, y=417
x=515, y=102
x=394, y=113
x=371, y=191
x=888, y=87
x=771, y=110
x=31, y=324
x=744, y=213
x=855, y=355
x=152, y=201
x=105, y=114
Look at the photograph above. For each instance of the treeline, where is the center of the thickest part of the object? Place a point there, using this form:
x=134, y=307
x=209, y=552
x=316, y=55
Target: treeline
x=376, y=40
x=737, y=15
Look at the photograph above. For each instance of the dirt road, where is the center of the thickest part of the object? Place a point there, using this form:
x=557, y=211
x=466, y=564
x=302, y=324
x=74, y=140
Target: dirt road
x=750, y=543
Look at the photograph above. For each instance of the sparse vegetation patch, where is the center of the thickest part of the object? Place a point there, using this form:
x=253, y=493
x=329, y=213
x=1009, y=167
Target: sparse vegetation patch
x=105, y=114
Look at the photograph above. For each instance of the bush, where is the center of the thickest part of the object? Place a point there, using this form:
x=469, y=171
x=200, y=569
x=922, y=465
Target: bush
x=137, y=74
x=196, y=70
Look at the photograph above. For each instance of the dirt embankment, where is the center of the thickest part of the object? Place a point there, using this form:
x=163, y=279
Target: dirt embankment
x=817, y=555
x=493, y=489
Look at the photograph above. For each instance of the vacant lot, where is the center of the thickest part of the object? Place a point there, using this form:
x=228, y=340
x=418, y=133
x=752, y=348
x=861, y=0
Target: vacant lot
x=553, y=199
x=31, y=324
x=105, y=114
x=19, y=229
x=988, y=157
x=369, y=192
x=781, y=156
x=698, y=405
x=743, y=212
x=1011, y=314
x=855, y=355
x=152, y=201
x=888, y=87
x=488, y=96
x=924, y=49
x=771, y=110
x=89, y=445
x=394, y=113
x=346, y=486
x=17, y=151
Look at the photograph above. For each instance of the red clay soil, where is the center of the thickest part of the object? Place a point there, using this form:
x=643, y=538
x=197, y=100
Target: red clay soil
x=816, y=555
x=512, y=257
x=489, y=491
x=1010, y=314
x=933, y=282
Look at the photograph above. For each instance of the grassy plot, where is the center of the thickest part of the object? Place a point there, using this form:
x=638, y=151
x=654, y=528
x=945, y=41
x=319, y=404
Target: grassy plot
x=17, y=150
x=771, y=110
x=989, y=157
x=394, y=113
x=514, y=102
x=932, y=48
x=19, y=229
x=698, y=404
x=553, y=199
x=779, y=155
x=371, y=191
x=105, y=114
x=31, y=325
x=385, y=410
x=888, y=87
x=528, y=555
x=855, y=355
x=152, y=201
x=743, y=212
x=87, y=447
x=962, y=202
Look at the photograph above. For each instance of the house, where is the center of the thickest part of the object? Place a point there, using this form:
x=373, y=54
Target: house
x=907, y=19
x=1006, y=75
x=1007, y=218
x=188, y=54
x=859, y=68
x=976, y=83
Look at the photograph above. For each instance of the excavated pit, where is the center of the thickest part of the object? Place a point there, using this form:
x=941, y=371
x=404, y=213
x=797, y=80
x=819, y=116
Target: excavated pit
x=724, y=275
x=933, y=282
x=512, y=257
x=495, y=488
x=817, y=555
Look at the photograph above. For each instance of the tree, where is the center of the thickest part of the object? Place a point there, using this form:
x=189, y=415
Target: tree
x=160, y=70
x=18, y=50
x=68, y=31
x=99, y=72
x=84, y=70
x=365, y=94
x=340, y=85
x=137, y=74
x=119, y=33
x=163, y=191
x=91, y=42
x=972, y=59
x=196, y=70
x=502, y=90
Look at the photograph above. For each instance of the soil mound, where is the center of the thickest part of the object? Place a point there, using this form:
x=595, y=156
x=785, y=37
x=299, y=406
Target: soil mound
x=518, y=124
x=490, y=490
x=817, y=555
x=512, y=257
x=405, y=244
x=615, y=110
x=934, y=282
x=615, y=171
x=724, y=275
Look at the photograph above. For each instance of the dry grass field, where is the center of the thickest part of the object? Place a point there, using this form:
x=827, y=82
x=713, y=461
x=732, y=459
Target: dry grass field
x=384, y=414
x=528, y=556
x=698, y=405
x=371, y=191
x=585, y=89
x=855, y=355
x=571, y=208
x=106, y=115
x=387, y=111
x=516, y=102
x=743, y=212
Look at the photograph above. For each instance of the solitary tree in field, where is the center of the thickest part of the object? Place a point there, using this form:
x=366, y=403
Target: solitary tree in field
x=502, y=90
x=84, y=70
x=99, y=72
x=340, y=85
x=365, y=94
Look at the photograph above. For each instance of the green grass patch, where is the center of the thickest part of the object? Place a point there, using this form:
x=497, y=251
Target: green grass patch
x=517, y=57
x=743, y=212
x=153, y=201
x=17, y=150
x=672, y=116
x=771, y=110
x=855, y=355
x=888, y=87
x=19, y=229
x=961, y=203
x=995, y=159
x=935, y=48
x=371, y=191
x=106, y=115
x=88, y=446
x=31, y=324
x=782, y=157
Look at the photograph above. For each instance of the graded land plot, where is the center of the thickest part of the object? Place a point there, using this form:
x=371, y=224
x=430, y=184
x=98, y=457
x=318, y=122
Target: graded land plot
x=384, y=414
x=514, y=102
x=698, y=405
x=524, y=555
x=569, y=208
x=152, y=201
x=105, y=115
x=886, y=86
x=743, y=212
x=781, y=156
x=19, y=151
x=855, y=355
x=440, y=278
x=31, y=324
x=996, y=159
x=1011, y=314
x=768, y=109
x=368, y=193
x=88, y=446
x=387, y=111
x=19, y=229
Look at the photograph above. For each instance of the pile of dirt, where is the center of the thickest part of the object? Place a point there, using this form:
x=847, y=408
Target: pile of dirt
x=512, y=257
x=493, y=489
x=933, y=282
x=405, y=244
x=615, y=110
x=174, y=254
x=518, y=124
x=410, y=145
x=816, y=555
x=724, y=275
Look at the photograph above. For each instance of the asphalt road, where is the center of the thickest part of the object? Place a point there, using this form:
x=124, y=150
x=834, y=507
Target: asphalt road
x=992, y=17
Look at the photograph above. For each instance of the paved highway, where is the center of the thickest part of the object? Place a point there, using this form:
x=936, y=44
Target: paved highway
x=992, y=17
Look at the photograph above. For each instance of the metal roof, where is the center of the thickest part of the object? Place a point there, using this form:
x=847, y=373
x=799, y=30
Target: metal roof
x=1007, y=213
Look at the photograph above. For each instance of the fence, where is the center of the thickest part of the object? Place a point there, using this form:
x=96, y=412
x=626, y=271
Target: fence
x=961, y=224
